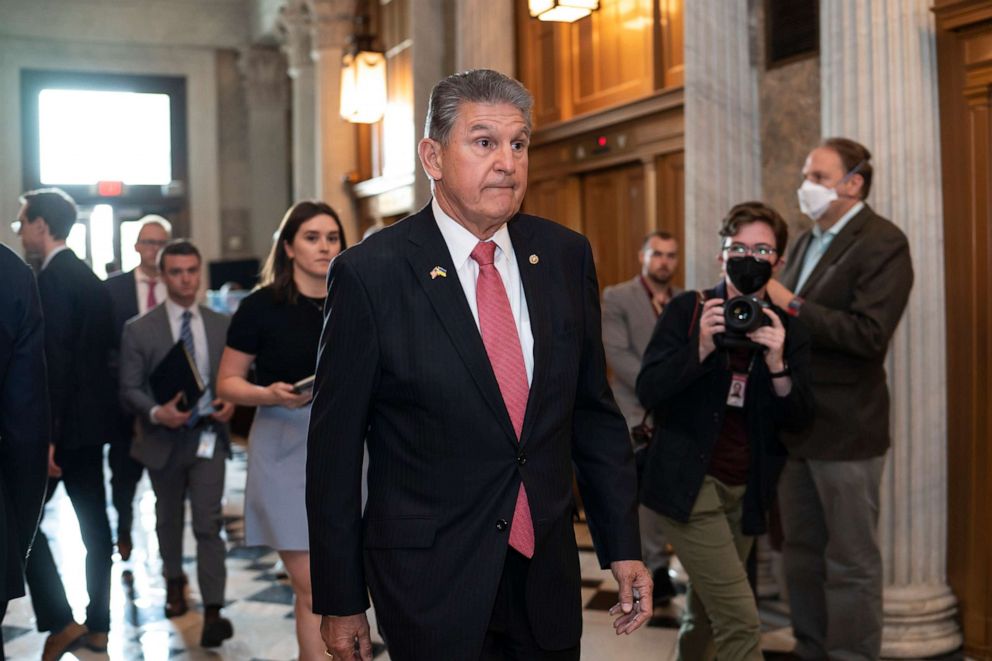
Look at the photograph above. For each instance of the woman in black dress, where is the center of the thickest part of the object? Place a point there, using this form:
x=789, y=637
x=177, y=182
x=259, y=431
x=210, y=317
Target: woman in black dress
x=278, y=329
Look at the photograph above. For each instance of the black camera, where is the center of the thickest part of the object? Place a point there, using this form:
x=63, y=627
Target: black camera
x=742, y=315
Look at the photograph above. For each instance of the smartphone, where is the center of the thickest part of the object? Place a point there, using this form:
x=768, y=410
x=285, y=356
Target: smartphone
x=303, y=385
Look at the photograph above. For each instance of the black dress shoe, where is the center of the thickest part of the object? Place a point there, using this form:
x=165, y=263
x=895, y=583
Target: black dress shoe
x=175, y=597
x=664, y=589
x=216, y=629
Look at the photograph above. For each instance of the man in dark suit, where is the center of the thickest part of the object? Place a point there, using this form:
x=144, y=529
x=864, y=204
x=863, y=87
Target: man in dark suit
x=848, y=279
x=78, y=336
x=24, y=422
x=464, y=346
x=132, y=293
x=184, y=448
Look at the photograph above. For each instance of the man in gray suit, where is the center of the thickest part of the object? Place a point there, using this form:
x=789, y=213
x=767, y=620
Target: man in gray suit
x=630, y=311
x=184, y=450
x=848, y=279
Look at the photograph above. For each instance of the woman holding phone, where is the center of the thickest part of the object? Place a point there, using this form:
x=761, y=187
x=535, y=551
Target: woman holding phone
x=277, y=328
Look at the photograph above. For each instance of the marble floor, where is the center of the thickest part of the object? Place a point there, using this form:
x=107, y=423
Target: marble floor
x=260, y=600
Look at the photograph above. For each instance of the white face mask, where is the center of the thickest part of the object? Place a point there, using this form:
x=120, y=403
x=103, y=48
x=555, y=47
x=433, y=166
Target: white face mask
x=814, y=199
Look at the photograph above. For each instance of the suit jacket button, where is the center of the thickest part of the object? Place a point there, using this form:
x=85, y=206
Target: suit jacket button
x=522, y=458
x=501, y=525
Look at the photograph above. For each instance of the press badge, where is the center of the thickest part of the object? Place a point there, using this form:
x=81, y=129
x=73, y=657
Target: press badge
x=738, y=386
x=208, y=440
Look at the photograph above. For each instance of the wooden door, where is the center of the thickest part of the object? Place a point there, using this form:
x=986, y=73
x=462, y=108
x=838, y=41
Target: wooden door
x=614, y=219
x=557, y=199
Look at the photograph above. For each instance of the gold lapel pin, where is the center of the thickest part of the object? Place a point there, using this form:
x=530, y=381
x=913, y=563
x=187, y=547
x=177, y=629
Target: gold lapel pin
x=534, y=259
x=437, y=272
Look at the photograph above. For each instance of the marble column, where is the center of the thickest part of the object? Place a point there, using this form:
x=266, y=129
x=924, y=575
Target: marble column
x=332, y=22
x=483, y=36
x=879, y=87
x=432, y=49
x=294, y=22
x=722, y=137
x=267, y=90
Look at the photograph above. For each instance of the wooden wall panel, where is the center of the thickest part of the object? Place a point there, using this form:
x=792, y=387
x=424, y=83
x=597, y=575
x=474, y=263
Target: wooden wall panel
x=670, y=171
x=559, y=200
x=964, y=44
x=614, y=220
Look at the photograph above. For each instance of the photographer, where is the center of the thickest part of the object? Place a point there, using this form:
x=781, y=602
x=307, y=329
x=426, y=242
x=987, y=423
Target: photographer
x=725, y=371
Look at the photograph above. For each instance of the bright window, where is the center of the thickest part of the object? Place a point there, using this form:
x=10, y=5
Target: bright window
x=88, y=136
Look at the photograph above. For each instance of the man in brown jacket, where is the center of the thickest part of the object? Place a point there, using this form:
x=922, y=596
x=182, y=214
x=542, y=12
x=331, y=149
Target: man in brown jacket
x=848, y=279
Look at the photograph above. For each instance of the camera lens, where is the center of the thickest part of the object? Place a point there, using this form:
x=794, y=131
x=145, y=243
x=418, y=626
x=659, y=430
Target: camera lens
x=743, y=314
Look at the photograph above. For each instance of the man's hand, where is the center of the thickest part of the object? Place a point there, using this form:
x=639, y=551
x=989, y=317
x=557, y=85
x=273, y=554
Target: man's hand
x=54, y=470
x=779, y=294
x=773, y=338
x=282, y=394
x=168, y=414
x=634, y=581
x=222, y=410
x=341, y=632
x=710, y=324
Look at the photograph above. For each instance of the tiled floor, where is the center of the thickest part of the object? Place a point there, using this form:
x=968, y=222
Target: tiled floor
x=260, y=604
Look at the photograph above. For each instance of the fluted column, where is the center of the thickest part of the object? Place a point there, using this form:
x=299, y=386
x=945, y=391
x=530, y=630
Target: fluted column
x=879, y=87
x=481, y=29
x=722, y=138
x=266, y=84
x=294, y=21
x=336, y=159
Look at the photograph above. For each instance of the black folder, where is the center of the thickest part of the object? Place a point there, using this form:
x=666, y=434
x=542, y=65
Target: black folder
x=177, y=373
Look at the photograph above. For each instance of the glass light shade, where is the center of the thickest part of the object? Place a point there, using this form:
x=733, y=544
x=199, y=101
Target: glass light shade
x=565, y=11
x=363, y=87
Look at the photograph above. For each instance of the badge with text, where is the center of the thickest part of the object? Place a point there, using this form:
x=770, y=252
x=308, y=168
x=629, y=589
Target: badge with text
x=208, y=441
x=738, y=386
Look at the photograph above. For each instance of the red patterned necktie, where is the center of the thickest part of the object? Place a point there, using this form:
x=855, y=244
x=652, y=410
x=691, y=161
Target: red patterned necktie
x=150, y=302
x=499, y=335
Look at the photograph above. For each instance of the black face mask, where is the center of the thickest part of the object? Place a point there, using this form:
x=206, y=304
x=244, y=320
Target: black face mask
x=749, y=274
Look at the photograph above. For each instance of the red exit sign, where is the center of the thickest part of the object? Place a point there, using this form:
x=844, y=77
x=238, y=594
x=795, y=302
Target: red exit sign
x=110, y=188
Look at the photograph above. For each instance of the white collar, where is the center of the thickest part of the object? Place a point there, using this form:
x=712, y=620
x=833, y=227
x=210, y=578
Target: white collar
x=51, y=256
x=840, y=224
x=461, y=242
x=139, y=276
x=175, y=311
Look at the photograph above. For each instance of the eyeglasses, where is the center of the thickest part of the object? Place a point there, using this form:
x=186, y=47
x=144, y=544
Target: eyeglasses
x=17, y=225
x=155, y=243
x=741, y=250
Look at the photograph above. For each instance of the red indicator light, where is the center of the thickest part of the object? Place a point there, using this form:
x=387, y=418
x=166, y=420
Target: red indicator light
x=110, y=188
x=601, y=141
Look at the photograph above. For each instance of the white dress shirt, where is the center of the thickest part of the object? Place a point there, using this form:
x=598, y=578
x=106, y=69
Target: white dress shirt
x=141, y=282
x=175, y=314
x=821, y=240
x=460, y=244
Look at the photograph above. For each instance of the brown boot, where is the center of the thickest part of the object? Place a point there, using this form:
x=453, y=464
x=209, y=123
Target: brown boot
x=175, y=597
x=60, y=642
x=124, y=545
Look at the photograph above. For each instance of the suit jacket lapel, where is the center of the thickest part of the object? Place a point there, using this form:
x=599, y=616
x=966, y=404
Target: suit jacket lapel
x=448, y=300
x=535, y=289
x=795, y=266
x=837, y=248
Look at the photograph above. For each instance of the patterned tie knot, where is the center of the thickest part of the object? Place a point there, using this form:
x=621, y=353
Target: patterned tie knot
x=484, y=253
x=187, y=315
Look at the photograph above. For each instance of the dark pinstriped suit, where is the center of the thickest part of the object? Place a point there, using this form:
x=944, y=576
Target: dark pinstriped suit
x=403, y=364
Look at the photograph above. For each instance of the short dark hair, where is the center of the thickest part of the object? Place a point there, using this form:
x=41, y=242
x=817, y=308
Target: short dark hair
x=855, y=158
x=746, y=213
x=55, y=206
x=278, y=268
x=658, y=234
x=177, y=247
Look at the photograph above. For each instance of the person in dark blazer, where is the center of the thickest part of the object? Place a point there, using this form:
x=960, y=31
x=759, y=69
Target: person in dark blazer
x=24, y=422
x=464, y=345
x=848, y=279
x=184, y=450
x=78, y=338
x=720, y=406
x=132, y=293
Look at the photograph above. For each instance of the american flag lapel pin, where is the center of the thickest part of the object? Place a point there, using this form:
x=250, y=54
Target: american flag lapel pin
x=438, y=272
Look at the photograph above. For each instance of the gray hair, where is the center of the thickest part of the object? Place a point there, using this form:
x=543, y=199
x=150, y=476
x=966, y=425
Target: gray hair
x=473, y=86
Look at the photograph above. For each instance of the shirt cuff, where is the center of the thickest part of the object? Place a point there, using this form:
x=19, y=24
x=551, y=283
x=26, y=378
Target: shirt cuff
x=151, y=414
